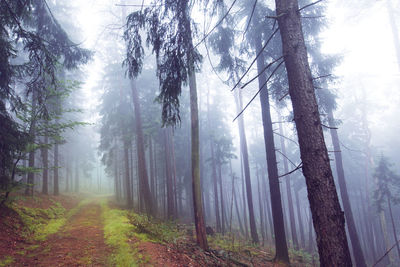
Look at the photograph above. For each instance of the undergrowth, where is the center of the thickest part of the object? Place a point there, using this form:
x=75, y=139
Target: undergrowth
x=117, y=233
x=7, y=261
x=147, y=229
x=39, y=223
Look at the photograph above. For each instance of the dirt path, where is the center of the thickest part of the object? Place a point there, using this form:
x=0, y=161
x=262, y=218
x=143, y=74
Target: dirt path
x=80, y=242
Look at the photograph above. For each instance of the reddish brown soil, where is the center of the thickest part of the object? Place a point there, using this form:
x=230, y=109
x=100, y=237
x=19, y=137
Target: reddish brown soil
x=79, y=243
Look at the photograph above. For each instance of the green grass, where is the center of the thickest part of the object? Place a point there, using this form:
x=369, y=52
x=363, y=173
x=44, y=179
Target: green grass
x=117, y=232
x=7, y=261
x=146, y=229
x=40, y=223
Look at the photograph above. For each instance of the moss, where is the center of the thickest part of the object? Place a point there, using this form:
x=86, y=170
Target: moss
x=6, y=261
x=117, y=231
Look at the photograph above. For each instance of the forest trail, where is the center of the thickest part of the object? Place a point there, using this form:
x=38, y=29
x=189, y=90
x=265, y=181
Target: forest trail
x=80, y=242
x=76, y=230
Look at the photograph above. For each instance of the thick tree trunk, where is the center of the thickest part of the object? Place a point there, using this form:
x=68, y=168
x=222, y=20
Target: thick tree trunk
x=282, y=253
x=327, y=216
x=355, y=242
x=246, y=166
x=143, y=177
x=45, y=159
x=288, y=190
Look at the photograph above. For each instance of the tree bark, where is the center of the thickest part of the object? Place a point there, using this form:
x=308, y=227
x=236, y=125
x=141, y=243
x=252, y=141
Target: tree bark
x=355, y=242
x=168, y=176
x=246, y=166
x=282, y=253
x=31, y=157
x=56, y=188
x=129, y=198
x=327, y=216
x=45, y=159
x=195, y=151
x=143, y=177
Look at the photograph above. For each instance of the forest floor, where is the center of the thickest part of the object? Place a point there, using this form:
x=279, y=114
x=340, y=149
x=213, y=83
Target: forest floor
x=81, y=231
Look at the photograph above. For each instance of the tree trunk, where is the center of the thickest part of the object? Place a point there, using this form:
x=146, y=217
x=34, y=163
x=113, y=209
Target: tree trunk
x=394, y=227
x=223, y=216
x=196, y=183
x=45, y=159
x=143, y=177
x=246, y=166
x=76, y=184
x=260, y=207
x=288, y=190
x=355, y=242
x=56, y=188
x=129, y=198
x=282, y=253
x=31, y=157
x=385, y=234
x=168, y=176
x=327, y=216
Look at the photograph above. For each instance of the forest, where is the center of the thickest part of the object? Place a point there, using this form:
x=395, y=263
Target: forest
x=199, y=133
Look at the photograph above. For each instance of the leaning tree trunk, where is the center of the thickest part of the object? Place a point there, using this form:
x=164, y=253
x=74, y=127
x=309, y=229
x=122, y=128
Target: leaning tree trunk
x=328, y=218
x=355, y=242
x=143, y=177
x=246, y=166
x=282, y=253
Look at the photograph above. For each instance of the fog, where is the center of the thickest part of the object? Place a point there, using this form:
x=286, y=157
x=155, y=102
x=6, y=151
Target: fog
x=128, y=122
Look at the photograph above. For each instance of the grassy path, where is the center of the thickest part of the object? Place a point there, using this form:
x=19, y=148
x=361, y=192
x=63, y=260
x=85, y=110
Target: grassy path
x=80, y=242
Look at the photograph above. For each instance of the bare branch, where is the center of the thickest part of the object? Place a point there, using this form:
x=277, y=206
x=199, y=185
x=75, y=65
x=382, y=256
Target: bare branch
x=311, y=4
x=264, y=69
x=332, y=128
x=287, y=138
x=216, y=25
x=251, y=16
x=384, y=255
x=261, y=87
x=292, y=171
x=320, y=77
x=259, y=53
x=286, y=158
